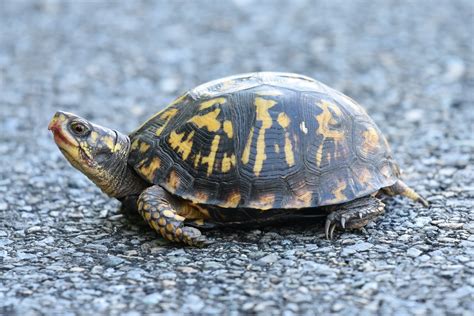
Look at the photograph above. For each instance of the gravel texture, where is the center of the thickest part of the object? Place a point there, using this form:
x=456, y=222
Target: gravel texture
x=65, y=248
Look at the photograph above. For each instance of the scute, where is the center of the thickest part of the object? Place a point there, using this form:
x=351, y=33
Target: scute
x=264, y=140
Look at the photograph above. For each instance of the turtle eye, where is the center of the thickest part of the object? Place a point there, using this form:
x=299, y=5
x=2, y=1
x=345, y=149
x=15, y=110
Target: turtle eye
x=79, y=128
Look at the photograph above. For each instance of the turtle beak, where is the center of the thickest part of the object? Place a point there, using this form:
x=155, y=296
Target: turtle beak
x=54, y=125
x=57, y=125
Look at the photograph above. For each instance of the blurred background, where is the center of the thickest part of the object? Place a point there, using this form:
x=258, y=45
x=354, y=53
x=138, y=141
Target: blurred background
x=409, y=63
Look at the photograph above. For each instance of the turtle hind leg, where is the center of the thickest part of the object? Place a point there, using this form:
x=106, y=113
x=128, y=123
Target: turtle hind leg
x=354, y=214
x=400, y=188
x=156, y=207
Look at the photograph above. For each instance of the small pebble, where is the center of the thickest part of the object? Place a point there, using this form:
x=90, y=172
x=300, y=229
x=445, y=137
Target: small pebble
x=413, y=252
x=34, y=229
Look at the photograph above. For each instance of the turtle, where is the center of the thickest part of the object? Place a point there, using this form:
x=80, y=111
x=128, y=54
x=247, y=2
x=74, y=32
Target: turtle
x=253, y=148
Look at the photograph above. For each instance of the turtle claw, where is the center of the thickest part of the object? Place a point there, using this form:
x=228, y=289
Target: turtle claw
x=331, y=232
x=329, y=227
x=202, y=242
x=193, y=237
x=355, y=214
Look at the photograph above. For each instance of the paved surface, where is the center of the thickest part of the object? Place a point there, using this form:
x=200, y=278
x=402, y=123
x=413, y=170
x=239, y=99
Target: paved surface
x=65, y=248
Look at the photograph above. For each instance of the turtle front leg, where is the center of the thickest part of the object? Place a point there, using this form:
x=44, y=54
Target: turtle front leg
x=354, y=214
x=158, y=208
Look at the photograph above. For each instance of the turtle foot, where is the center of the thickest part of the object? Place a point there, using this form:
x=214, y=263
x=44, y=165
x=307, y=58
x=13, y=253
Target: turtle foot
x=355, y=214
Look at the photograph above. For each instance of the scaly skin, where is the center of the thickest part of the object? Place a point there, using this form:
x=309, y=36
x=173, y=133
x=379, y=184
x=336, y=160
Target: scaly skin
x=98, y=152
x=400, y=188
x=354, y=214
x=155, y=207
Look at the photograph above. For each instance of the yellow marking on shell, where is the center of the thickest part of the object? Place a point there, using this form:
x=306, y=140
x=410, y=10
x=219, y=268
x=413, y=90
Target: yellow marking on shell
x=337, y=192
x=228, y=162
x=302, y=199
x=371, y=140
x=277, y=148
x=264, y=202
x=246, y=152
x=144, y=147
x=270, y=93
x=319, y=154
x=210, y=159
x=160, y=130
x=135, y=144
x=147, y=216
x=173, y=181
x=148, y=170
x=263, y=105
x=233, y=200
x=283, y=120
x=228, y=129
x=208, y=120
x=325, y=120
x=168, y=213
x=209, y=103
x=181, y=146
x=197, y=159
x=289, y=155
x=162, y=221
x=364, y=175
x=167, y=115
x=305, y=198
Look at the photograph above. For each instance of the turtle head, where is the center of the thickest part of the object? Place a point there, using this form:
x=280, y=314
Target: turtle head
x=98, y=152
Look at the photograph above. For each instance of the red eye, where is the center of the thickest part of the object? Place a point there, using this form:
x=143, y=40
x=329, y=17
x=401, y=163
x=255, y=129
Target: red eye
x=78, y=128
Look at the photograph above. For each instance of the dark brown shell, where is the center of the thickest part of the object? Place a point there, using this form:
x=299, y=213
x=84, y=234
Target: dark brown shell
x=264, y=140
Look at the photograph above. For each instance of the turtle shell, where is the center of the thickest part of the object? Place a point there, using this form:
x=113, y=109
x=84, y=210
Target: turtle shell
x=264, y=140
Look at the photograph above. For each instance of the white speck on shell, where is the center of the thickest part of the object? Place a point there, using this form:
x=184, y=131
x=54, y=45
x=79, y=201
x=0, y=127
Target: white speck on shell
x=303, y=128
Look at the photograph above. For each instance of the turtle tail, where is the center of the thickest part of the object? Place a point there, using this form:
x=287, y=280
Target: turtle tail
x=400, y=188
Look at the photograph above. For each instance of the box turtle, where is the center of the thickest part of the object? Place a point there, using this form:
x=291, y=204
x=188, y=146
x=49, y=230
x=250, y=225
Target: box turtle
x=247, y=149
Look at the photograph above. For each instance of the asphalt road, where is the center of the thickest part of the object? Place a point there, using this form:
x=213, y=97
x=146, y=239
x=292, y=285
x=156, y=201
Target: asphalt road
x=65, y=248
